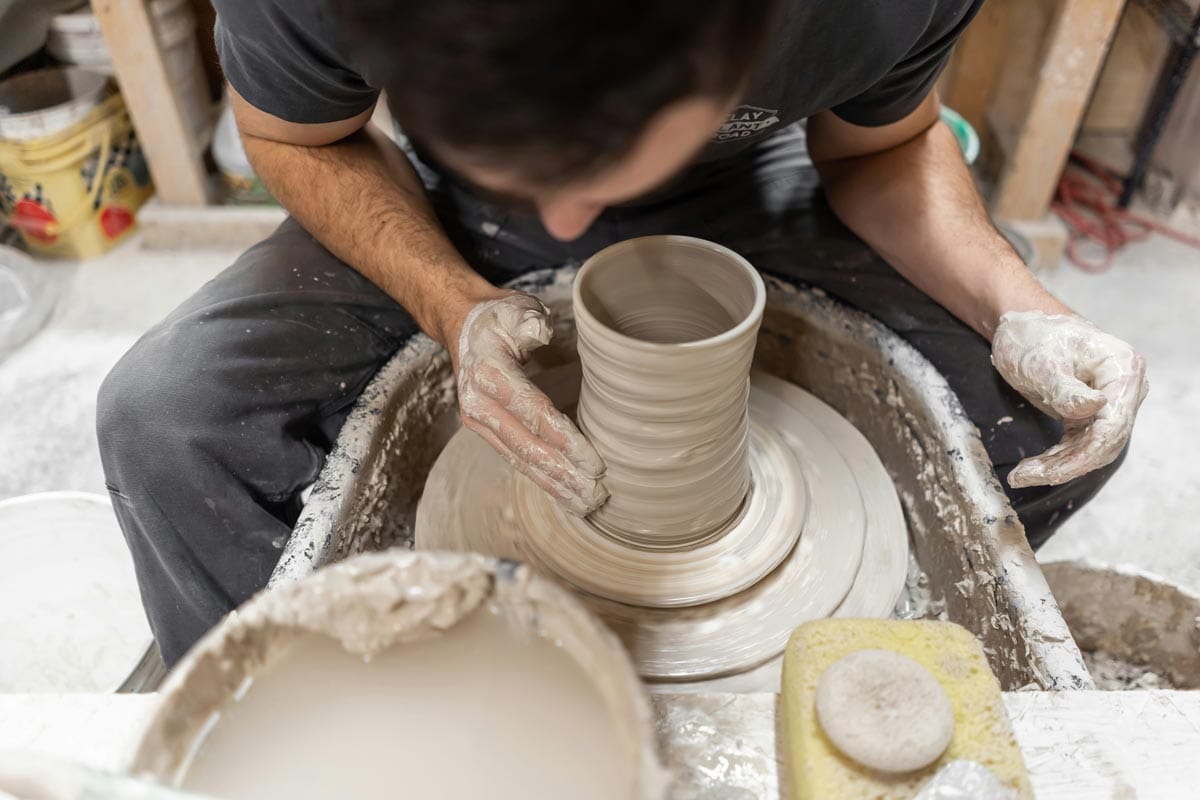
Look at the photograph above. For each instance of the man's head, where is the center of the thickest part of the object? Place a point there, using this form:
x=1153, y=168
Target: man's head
x=573, y=105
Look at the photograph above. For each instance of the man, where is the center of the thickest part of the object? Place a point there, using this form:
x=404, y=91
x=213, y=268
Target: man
x=540, y=132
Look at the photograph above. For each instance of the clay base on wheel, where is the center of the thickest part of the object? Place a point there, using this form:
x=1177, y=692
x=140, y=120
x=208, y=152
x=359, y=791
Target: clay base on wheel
x=850, y=558
x=761, y=535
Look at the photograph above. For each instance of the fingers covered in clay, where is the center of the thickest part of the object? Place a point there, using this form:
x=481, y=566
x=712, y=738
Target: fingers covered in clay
x=547, y=466
x=1073, y=371
x=1088, y=443
x=530, y=406
x=500, y=403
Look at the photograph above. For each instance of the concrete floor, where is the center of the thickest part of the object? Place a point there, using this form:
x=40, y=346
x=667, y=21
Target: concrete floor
x=49, y=385
x=1146, y=517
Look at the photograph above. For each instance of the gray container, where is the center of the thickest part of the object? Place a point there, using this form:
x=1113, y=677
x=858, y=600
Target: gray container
x=1140, y=620
x=965, y=534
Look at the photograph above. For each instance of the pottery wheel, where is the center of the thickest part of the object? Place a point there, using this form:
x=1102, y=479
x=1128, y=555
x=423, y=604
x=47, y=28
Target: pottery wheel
x=820, y=533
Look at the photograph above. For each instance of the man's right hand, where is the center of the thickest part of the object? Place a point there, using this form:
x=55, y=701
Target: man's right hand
x=489, y=332
x=501, y=404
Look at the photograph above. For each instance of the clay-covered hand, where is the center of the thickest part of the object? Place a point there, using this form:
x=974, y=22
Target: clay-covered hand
x=1073, y=371
x=503, y=406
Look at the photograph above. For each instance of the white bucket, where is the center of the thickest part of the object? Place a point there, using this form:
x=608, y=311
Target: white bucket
x=75, y=38
x=42, y=103
x=71, y=618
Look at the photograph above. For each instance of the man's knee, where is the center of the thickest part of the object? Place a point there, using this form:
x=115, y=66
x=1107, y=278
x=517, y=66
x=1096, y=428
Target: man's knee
x=119, y=428
x=143, y=410
x=156, y=411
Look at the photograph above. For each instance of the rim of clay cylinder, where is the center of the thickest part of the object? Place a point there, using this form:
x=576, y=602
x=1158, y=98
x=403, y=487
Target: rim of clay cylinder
x=375, y=601
x=605, y=256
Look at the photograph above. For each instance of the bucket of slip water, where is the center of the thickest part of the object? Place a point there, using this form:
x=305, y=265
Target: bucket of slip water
x=72, y=174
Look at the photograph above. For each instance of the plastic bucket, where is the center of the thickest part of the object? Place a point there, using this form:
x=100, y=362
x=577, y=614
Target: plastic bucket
x=75, y=38
x=74, y=193
x=69, y=604
x=41, y=103
x=968, y=139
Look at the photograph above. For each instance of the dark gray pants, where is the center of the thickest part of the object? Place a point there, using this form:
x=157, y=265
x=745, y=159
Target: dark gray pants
x=219, y=416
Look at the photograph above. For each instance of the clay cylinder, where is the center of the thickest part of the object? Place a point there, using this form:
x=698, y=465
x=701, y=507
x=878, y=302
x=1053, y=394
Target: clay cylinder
x=667, y=327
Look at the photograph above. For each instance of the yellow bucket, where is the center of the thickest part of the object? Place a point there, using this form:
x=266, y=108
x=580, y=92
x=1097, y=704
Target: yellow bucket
x=76, y=192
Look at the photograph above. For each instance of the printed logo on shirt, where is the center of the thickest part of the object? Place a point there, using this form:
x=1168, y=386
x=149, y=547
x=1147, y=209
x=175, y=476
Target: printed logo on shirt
x=746, y=121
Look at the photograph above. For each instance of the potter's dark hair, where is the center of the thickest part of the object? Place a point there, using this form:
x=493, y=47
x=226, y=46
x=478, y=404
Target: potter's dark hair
x=555, y=88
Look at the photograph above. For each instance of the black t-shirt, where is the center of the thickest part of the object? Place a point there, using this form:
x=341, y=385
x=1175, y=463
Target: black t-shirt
x=871, y=62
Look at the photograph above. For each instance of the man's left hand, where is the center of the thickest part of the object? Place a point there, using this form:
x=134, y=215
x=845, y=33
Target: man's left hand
x=1073, y=371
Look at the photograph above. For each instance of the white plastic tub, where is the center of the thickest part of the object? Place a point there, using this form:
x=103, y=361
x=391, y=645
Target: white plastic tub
x=38, y=104
x=75, y=38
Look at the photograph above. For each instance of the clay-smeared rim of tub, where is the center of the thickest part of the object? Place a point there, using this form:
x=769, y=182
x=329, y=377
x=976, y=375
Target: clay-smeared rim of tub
x=375, y=601
x=751, y=320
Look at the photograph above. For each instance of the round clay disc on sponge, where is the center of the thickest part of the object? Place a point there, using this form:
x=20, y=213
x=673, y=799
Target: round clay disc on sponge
x=885, y=711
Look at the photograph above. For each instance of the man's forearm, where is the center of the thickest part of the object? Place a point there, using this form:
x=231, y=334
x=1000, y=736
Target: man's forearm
x=362, y=199
x=917, y=206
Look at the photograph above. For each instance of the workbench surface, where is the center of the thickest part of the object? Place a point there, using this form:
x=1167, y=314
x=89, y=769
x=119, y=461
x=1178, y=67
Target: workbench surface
x=1078, y=745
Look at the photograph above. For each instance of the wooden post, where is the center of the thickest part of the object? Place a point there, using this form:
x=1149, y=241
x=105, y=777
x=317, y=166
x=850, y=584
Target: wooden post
x=176, y=163
x=1078, y=40
x=975, y=67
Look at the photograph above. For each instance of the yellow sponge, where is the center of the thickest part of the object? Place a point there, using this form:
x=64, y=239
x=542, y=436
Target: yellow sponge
x=982, y=732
